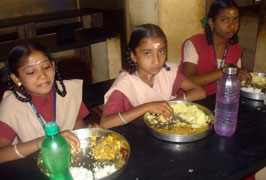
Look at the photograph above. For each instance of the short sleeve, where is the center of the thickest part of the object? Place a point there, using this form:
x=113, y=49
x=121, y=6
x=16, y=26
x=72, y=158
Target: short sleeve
x=190, y=53
x=7, y=132
x=239, y=63
x=117, y=102
x=83, y=112
x=178, y=82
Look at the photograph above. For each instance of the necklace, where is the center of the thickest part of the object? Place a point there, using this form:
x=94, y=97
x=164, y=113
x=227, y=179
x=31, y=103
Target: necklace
x=152, y=80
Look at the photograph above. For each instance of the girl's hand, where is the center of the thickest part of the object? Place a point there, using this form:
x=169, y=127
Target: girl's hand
x=244, y=76
x=94, y=125
x=161, y=107
x=72, y=140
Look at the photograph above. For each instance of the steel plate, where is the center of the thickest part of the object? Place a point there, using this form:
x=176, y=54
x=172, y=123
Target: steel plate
x=84, y=157
x=254, y=96
x=183, y=138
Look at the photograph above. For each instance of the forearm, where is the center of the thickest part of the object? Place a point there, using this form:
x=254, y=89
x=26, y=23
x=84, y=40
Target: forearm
x=8, y=153
x=205, y=78
x=112, y=120
x=192, y=95
x=195, y=94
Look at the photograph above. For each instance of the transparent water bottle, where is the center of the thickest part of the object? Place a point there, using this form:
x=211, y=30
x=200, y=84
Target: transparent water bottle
x=265, y=98
x=55, y=153
x=227, y=102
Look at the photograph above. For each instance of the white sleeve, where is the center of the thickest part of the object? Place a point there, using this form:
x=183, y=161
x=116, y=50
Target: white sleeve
x=239, y=63
x=190, y=53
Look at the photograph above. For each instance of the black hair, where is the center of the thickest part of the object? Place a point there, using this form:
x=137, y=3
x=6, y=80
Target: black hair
x=214, y=10
x=140, y=32
x=17, y=56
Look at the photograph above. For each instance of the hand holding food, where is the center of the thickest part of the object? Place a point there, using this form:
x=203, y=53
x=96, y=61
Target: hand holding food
x=244, y=76
x=161, y=107
x=257, y=84
x=71, y=139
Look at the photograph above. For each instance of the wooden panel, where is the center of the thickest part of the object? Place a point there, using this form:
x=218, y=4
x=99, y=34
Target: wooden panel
x=99, y=68
x=260, y=57
x=179, y=20
x=17, y=8
x=114, y=56
x=141, y=12
x=248, y=38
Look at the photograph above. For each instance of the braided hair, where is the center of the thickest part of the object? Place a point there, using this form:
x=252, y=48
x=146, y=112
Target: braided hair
x=17, y=57
x=215, y=9
x=140, y=32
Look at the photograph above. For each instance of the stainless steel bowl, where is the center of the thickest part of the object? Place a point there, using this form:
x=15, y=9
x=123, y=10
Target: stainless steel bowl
x=183, y=138
x=254, y=96
x=84, y=156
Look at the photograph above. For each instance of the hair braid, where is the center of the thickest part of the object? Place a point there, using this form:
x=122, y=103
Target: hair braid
x=208, y=32
x=133, y=65
x=14, y=88
x=58, y=77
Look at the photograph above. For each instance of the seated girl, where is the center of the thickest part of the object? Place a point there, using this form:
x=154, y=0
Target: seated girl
x=204, y=55
x=37, y=95
x=150, y=82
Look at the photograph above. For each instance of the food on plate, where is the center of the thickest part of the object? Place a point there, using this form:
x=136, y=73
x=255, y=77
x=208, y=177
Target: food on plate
x=81, y=173
x=109, y=148
x=257, y=85
x=100, y=154
x=187, y=119
x=104, y=171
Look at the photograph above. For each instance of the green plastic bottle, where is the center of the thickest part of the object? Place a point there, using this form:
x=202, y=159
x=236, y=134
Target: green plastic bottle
x=55, y=153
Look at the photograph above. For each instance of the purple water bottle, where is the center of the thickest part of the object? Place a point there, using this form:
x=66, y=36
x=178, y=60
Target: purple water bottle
x=227, y=102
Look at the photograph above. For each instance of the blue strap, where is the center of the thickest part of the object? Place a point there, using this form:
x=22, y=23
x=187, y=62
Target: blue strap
x=37, y=113
x=223, y=59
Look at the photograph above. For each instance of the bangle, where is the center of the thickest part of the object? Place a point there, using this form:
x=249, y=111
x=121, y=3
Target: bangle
x=185, y=97
x=17, y=152
x=121, y=117
x=36, y=142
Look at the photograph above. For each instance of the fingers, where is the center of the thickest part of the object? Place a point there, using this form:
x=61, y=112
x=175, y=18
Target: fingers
x=93, y=126
x=72, y=140
x=243, y=75
x=162, y=108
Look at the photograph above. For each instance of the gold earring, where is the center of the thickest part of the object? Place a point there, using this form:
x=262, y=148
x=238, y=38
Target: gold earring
x=19, y=84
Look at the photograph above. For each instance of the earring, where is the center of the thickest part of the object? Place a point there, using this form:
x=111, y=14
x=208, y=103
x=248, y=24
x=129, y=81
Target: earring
x=19, y=84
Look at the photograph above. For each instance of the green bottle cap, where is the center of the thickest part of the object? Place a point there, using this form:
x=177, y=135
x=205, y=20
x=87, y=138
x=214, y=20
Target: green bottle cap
x=51, y=128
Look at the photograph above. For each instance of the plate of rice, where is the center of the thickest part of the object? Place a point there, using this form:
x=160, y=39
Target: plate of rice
x=103, y=154
x=256, y=89
x=190, y=122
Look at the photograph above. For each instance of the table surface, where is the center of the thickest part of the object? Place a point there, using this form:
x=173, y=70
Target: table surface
x=213, y=157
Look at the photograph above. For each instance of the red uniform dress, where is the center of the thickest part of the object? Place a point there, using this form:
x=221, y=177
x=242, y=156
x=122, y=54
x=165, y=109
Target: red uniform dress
x=45, y=108
x=207, y=61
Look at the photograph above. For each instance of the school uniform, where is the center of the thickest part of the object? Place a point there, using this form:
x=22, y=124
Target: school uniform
x=196, y=50
x=18, y=121
x=129, y=91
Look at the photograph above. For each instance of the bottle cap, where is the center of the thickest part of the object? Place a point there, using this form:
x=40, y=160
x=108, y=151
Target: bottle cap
x=230, y=69
x=51, y=128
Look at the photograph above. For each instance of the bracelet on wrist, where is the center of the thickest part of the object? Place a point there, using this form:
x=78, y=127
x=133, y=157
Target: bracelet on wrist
x=121, y=117
x=17, y=152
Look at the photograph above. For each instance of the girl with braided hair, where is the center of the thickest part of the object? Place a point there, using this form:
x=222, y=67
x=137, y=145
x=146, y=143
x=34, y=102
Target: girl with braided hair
x=36, y=95
x=149, y=83
x=204, y=55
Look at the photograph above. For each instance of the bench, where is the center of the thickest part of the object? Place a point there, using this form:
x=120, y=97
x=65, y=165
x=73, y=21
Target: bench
x=77, y=36
x=82, y=37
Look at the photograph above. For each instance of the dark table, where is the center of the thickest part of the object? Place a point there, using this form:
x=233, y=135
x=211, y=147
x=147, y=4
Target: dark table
x=211, y=158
